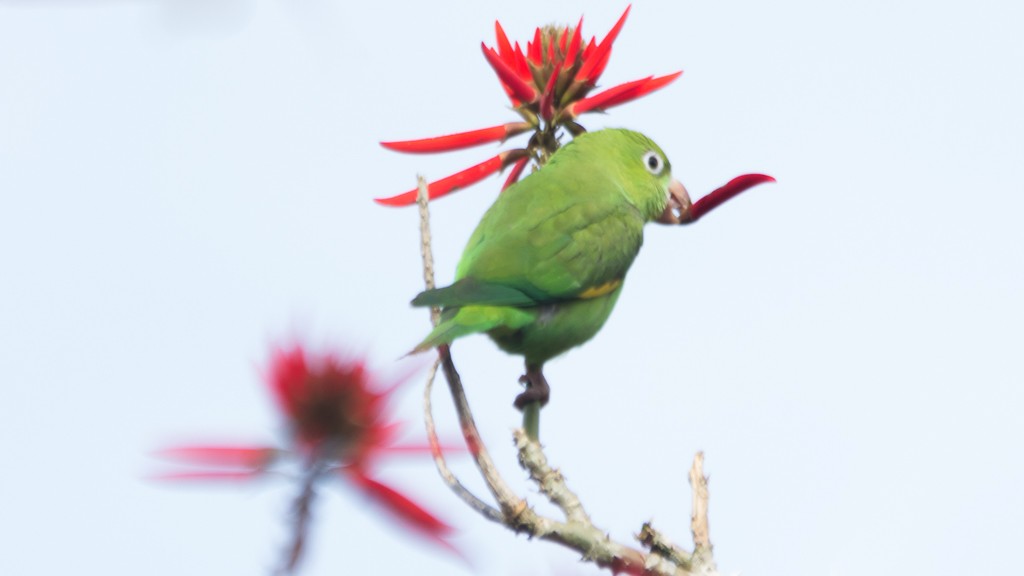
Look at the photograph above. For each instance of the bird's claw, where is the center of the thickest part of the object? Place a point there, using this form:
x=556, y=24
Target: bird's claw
x=537, y=389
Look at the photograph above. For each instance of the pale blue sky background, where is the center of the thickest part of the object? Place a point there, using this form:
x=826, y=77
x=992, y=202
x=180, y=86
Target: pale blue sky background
x=183, y=183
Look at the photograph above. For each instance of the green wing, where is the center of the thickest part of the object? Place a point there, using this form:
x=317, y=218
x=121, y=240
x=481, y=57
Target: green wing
x=555, y=236
x=551, y=238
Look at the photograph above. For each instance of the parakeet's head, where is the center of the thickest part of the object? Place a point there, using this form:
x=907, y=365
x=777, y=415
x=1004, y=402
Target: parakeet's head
x=639, y=167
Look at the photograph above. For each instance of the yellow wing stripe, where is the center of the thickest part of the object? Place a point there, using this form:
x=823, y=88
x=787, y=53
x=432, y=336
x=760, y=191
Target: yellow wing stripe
x=601, y=290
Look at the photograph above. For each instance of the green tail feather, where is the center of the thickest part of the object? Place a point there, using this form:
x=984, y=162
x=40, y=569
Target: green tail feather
x=459, y=322
x=472, y=291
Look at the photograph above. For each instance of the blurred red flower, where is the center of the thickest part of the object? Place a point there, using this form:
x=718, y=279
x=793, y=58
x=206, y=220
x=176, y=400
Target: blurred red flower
x=337, y=414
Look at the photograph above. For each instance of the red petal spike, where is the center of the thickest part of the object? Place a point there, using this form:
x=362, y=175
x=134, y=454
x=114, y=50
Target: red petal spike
x=599, y=67
x=614, y=32
x=208, y=476
x=658, y=83
x=522, y=68
x=591, y=46
x=590, y=60
x=504, y=48
x=607, y=98
x=547, y=109
x=520, y=89
x=574, y=45
x=720, y=195
x=288, y=379
x=445, y=186
x=234, y=456
x=517, y=170
x=622, y=93
x=458, y=141
x=405, y=510
x=534, y=49
x=600, y=54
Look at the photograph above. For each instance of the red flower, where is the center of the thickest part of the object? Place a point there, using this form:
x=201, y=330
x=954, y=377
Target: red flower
x=337, y=414
x=332, y=406
x=549, y=86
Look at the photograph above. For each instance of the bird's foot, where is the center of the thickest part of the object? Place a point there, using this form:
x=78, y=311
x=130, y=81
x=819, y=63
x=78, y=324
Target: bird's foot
x=537, y=389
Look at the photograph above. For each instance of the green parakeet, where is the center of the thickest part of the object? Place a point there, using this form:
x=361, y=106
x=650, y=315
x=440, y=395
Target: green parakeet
x=546, y=264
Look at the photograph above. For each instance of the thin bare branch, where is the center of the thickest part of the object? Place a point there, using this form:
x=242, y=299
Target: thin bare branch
x=549, y=480
x=702, y=547
x=597, y=547
x=427, y=253
x=302, y=509
x=659, y=544
x=478, y=505
x=579, y=532
x=512, y=506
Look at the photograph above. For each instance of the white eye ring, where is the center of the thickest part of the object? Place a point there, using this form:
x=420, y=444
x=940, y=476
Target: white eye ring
x=653, y=163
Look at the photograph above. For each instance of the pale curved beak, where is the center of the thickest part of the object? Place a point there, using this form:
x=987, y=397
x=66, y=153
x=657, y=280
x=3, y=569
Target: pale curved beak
x=677, y=211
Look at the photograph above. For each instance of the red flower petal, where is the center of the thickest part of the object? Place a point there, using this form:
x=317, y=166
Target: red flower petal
x=207, y=476
x=521, y=66
x=288, y=379
x=547, y=108
x=517, y=169
x=238, y=456
x=588, y=72
x=405, y=510
x=504, y=48
x=720, y=195
x=591, y=46
x=445, y=186
x=621, y=94
x=518, y=87
x=574, y=45
x=658, y=83
x=533, y=48
x=607, y=98
x=614, y=32
x=459, y=140
x=599, y=67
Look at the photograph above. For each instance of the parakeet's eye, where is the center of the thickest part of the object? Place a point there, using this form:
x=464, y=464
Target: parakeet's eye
x=653, y=162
